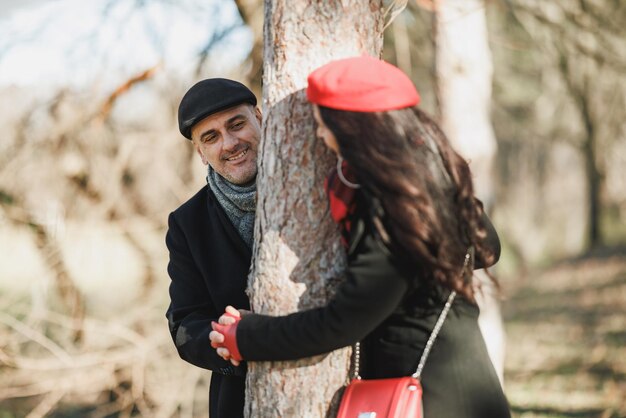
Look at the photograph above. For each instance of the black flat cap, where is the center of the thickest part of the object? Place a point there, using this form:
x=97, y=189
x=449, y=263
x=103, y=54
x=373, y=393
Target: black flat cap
x=210, y=96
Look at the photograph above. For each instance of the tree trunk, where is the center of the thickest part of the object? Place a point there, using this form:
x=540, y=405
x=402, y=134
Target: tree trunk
x=594, y=176
x=297, y=253
x=251, y=12
x=464, y=73
x=581, y=95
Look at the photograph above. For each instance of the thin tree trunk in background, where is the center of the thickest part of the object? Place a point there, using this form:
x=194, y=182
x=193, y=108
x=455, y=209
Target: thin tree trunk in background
x=581, y=95
x=401, y=43
x=251, y=12
x=464, y=73
x=297, y=252
x=594, y=176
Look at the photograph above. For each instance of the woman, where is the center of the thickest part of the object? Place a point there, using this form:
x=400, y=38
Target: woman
x=404, y=202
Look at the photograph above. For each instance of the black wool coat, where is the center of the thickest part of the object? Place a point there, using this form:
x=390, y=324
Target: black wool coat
x=385, y=304
x=208, y=267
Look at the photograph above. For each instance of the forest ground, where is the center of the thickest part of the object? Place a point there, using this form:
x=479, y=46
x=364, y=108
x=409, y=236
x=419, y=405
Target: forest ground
x=566, y=339
x=566, y=352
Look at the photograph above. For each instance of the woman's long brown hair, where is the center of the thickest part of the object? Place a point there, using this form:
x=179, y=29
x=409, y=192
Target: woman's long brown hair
x=404, y=161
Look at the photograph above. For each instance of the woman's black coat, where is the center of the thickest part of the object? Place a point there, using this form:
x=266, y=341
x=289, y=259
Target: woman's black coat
x=209, y=264
x=384, y=304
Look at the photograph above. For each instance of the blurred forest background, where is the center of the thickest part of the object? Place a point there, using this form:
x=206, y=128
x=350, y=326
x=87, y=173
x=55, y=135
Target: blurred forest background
x=91, y=163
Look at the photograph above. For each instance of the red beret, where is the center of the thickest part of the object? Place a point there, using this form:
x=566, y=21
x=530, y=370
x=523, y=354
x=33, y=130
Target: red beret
x=361, y=84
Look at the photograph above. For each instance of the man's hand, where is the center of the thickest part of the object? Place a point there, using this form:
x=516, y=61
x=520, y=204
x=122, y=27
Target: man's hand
x=230, y=317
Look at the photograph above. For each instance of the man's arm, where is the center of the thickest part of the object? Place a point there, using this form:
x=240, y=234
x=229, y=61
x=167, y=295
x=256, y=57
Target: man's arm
x=191, y=309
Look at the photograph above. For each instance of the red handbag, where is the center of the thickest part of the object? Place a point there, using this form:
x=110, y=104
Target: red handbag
x=399, y=397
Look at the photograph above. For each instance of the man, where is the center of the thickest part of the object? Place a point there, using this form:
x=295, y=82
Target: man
x=210, y=236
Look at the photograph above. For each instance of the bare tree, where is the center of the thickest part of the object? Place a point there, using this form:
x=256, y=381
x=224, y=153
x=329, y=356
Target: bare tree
x=583, y=41
x=251, y=12
x=464, y=75
x=297, y=252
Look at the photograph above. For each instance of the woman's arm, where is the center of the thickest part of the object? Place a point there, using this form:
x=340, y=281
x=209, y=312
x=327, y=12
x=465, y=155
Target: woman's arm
x=374, y=287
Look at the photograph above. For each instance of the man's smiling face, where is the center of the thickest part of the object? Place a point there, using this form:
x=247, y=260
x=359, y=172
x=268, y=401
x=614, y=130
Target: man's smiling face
x=229, y=141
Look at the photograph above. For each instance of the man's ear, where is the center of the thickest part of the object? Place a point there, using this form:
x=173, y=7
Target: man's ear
x=202, y=157
x=258, y=114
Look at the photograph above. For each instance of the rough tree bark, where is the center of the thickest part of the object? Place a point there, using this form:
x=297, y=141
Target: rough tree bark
x=297, y=251
x=464, y=73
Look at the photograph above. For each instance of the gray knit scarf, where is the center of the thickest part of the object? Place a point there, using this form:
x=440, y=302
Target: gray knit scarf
x=239, y=203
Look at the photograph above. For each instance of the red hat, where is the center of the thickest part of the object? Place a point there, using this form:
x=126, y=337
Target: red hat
x=361, y=84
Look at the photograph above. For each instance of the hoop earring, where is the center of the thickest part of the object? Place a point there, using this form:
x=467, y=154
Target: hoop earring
x=342, y=178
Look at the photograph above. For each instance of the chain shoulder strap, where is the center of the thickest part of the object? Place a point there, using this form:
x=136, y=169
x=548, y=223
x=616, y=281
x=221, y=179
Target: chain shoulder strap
x=433, y=335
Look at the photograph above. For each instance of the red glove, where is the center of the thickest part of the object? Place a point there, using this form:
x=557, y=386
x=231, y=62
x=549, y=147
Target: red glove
x=230, y=336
